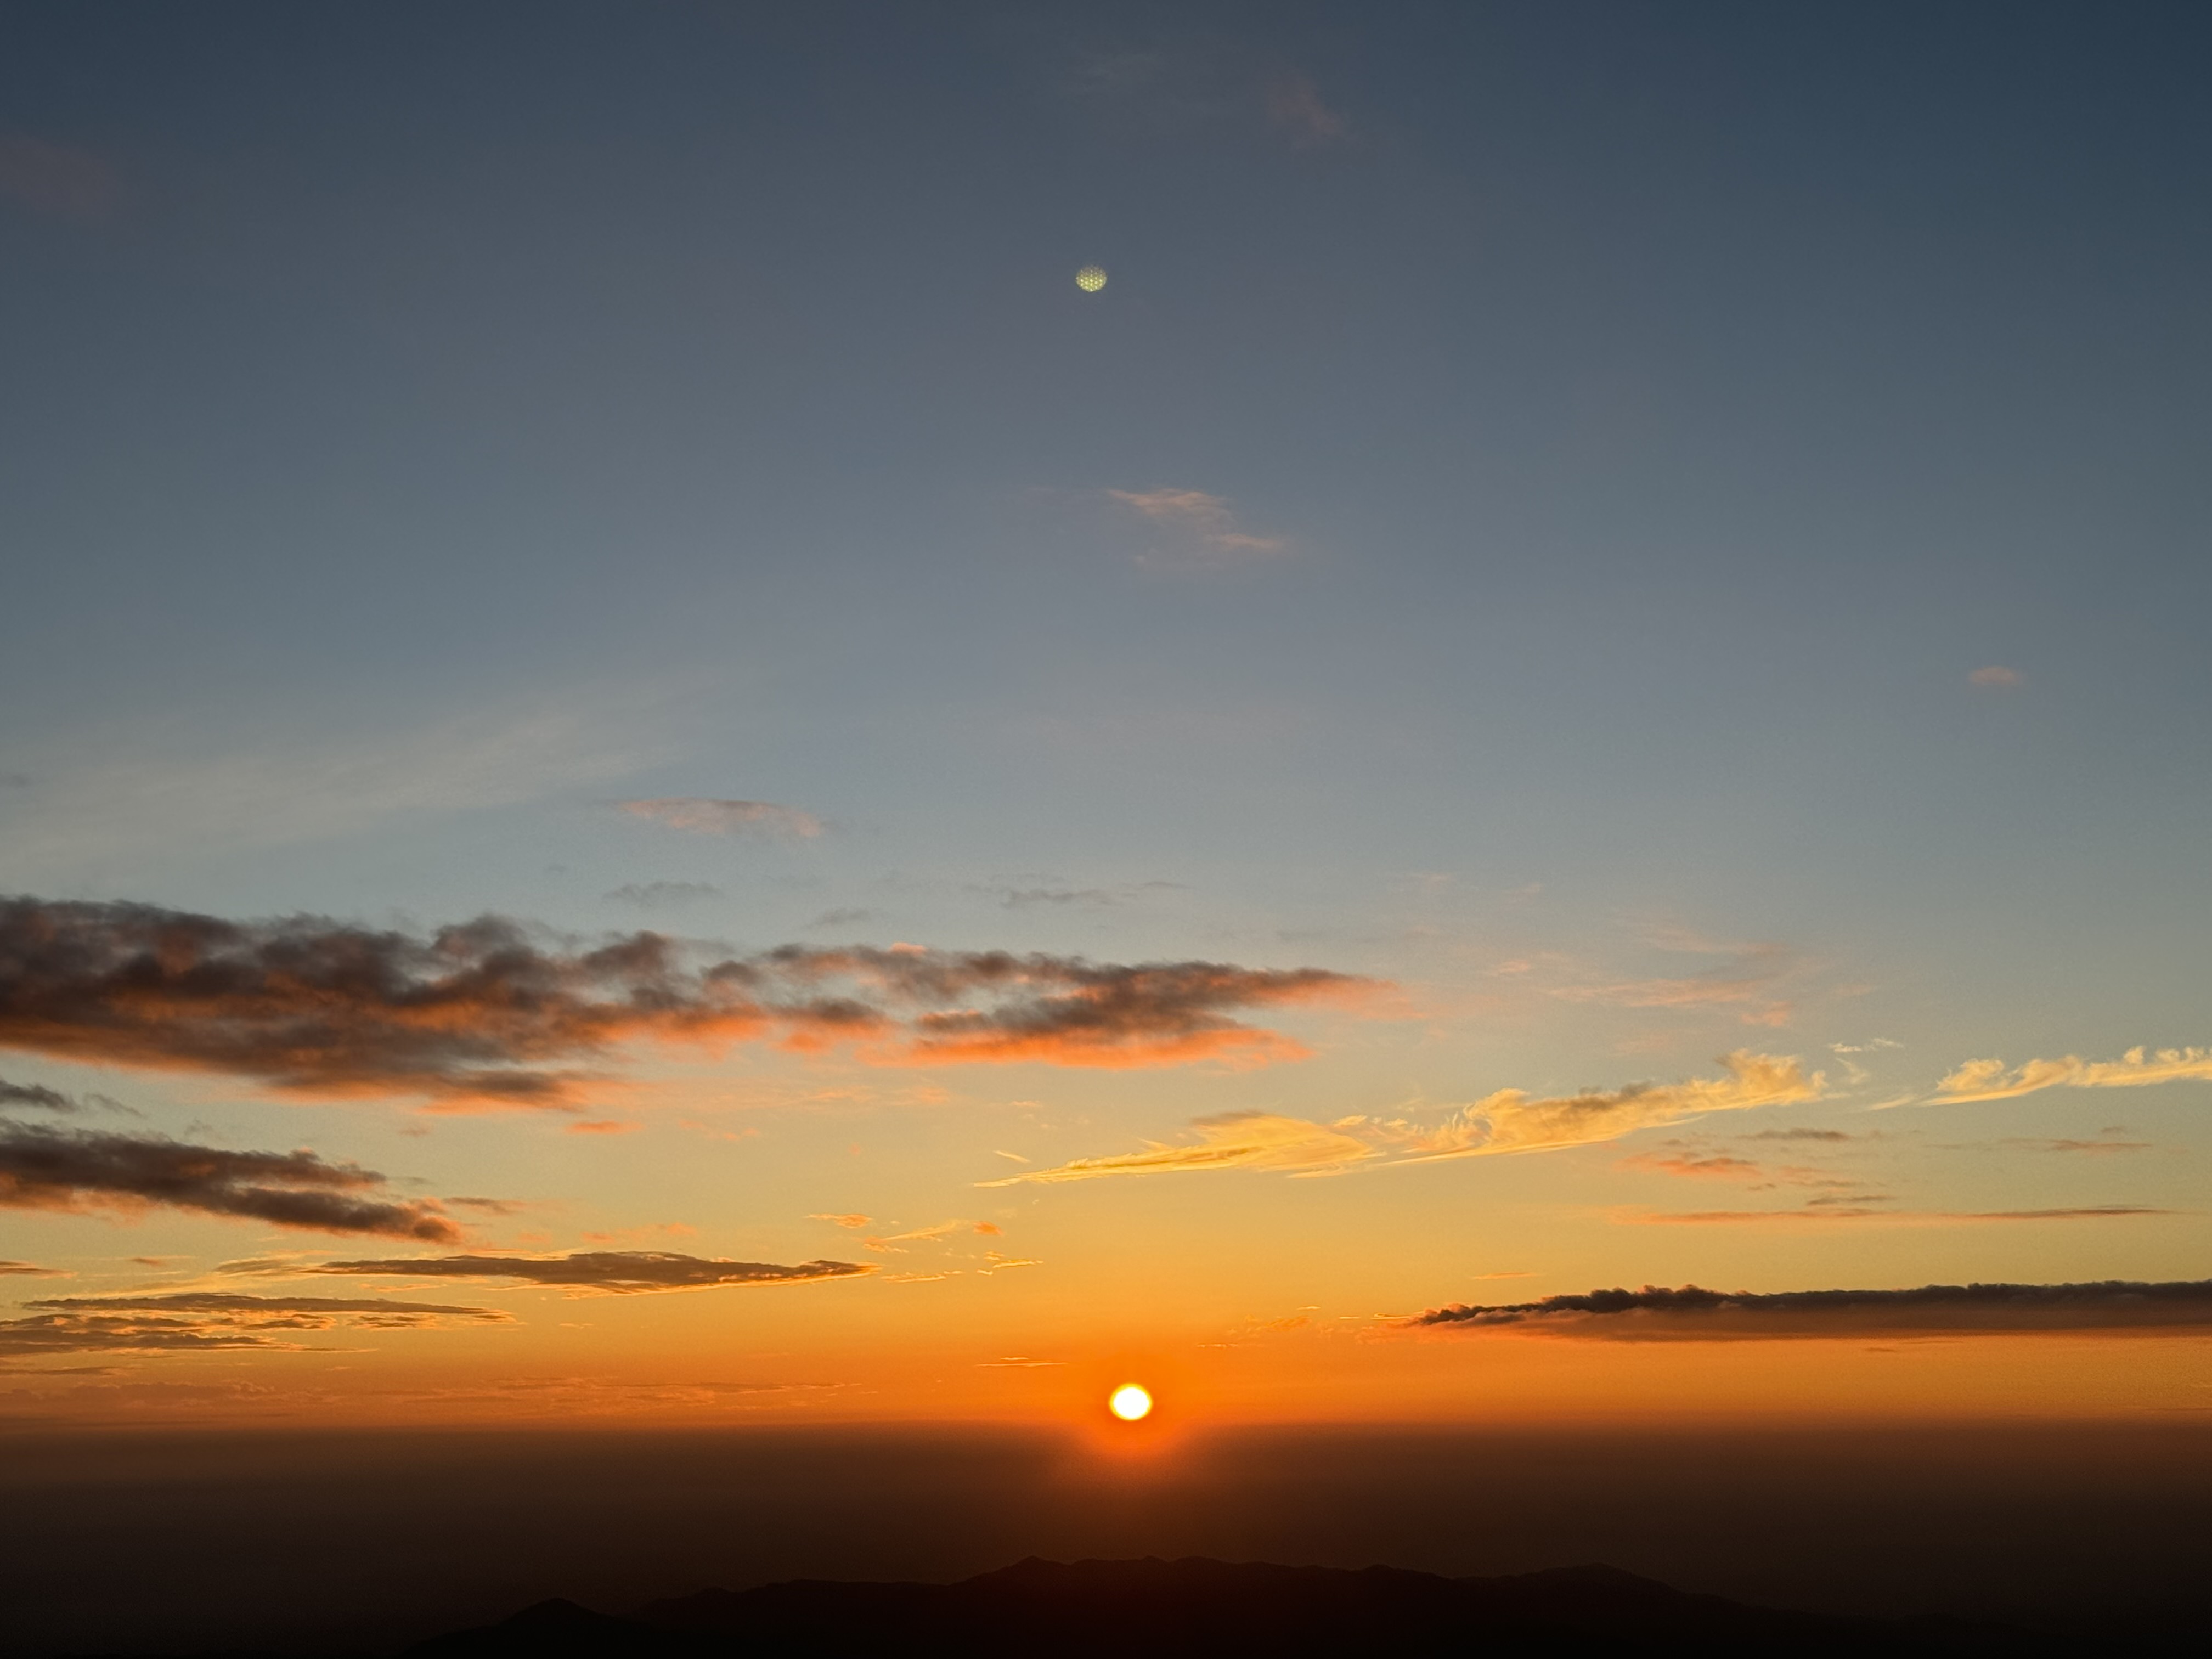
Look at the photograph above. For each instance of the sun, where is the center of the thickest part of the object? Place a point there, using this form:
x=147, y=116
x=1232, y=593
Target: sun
x=1090, y=279
x=1129, y=1402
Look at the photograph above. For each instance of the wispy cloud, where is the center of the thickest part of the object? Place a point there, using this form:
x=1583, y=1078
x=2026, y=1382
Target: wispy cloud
x=621, y=1273
x=1990, y=1080
x=664, y=894
x=113, y=800
x=726, y=817
x=1748, y=981
x=1824, y=1210
x=1195, y=528
x=200, y=1321
x=476, y=1013
x=1691, y=1314
x=45, y=1168
x=26, y=1270
x=1997, y=678
x=15, y=1094
x=1509, y=1121
x=1295, y=105
x=56, y=178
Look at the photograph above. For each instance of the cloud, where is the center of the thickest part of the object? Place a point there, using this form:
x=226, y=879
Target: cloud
x=1994, y=676
x=1989, y=1080
x=855, y=1219
x=1295, y=105
x=1860, y=1208
x=52, y=1169
x=1236, y=1140
x=943, y=1230
x=613, y=1271
x=1748, y=982
x=475, y=1013
x=198, y=1321
x=1512, y=1121
x=664, y=894
x=1507, y=1122
x=56, y=178
x=726, y=817
x=1691, y=1314
x=26, y=1270
x=12, y=1095
x=1706, y=1165
x=1196, y=529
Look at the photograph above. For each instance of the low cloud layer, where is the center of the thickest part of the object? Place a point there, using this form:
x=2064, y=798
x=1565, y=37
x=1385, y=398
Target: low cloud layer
x=202, y=1321
x=479, y=1013
x=1990, y=1079
x=46, y=1168
x=1510, y=1120
x=702, y=817
x=617, y=1271
x=1691, y=1314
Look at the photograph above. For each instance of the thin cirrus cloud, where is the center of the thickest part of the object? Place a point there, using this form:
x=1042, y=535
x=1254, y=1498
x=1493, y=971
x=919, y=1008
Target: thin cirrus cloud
x=1656, y=1314
x=1990, y=1079
x=702, y=817
x=198, y=1321
x=478, y=1014
x=615, y=1273
x=1509, y=1121
x=1995, y=677
x=43, y=1167
x=1870, y=1209
x=1194, y=528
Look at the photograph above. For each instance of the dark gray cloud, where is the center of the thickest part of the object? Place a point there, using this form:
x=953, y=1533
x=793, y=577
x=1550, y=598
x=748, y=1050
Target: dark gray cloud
x=191, y=1322
x=478, y=1011
x=48, y=1168
x=12, y=1095
x=1693, y=1314
x=664, y=894
x=622, y=1272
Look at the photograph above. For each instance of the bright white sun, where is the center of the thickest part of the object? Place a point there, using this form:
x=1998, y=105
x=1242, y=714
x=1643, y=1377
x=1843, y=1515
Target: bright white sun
x=1129, y=1402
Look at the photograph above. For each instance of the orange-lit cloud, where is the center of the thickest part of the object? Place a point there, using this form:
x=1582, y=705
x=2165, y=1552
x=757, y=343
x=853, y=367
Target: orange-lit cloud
x=1507, y=1122
x=726, y=818
x=1237, y=1141
x=1989, y=1080
x=1693, y=1314
x=476, y=1013
x=26, y=1270
x=614, y=1272
x=44, y=1168
x=1997, y=676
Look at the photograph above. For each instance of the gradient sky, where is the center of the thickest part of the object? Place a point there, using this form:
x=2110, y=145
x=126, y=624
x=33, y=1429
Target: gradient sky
x=1633, y=577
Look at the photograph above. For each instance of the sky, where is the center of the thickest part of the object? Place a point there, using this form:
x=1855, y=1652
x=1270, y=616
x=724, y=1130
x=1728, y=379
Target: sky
x=650, y=773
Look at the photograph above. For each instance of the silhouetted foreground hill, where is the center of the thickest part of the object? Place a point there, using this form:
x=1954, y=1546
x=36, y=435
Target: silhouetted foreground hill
x=1164, y=1609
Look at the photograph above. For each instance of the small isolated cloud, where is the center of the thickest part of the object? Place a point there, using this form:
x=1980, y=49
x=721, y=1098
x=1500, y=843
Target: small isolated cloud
x=943, y=1230
x=843, y=916
x=1748, y=982
x=44, y=1168
x=1295, y=106
x=56, y=178
x=1707, y=1166
x=1509, y=1121
x=664, y=894
x=200, y=1321
x=853, y=1219
x=602, y=1126
x=478, y=1013
x=1990, y=1080
x=1691, y=1314
x=726, y=817
x=621, y=1273
x=27, y=1270
x=1195, y=529
x=1999, y=677
x=1236, y=1140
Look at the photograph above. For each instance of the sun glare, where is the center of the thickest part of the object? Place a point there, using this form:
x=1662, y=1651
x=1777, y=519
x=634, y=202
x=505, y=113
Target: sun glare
x=1129, y=1402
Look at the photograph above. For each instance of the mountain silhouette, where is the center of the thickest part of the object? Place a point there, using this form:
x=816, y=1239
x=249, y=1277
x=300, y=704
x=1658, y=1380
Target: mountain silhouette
x=1155, y=1609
